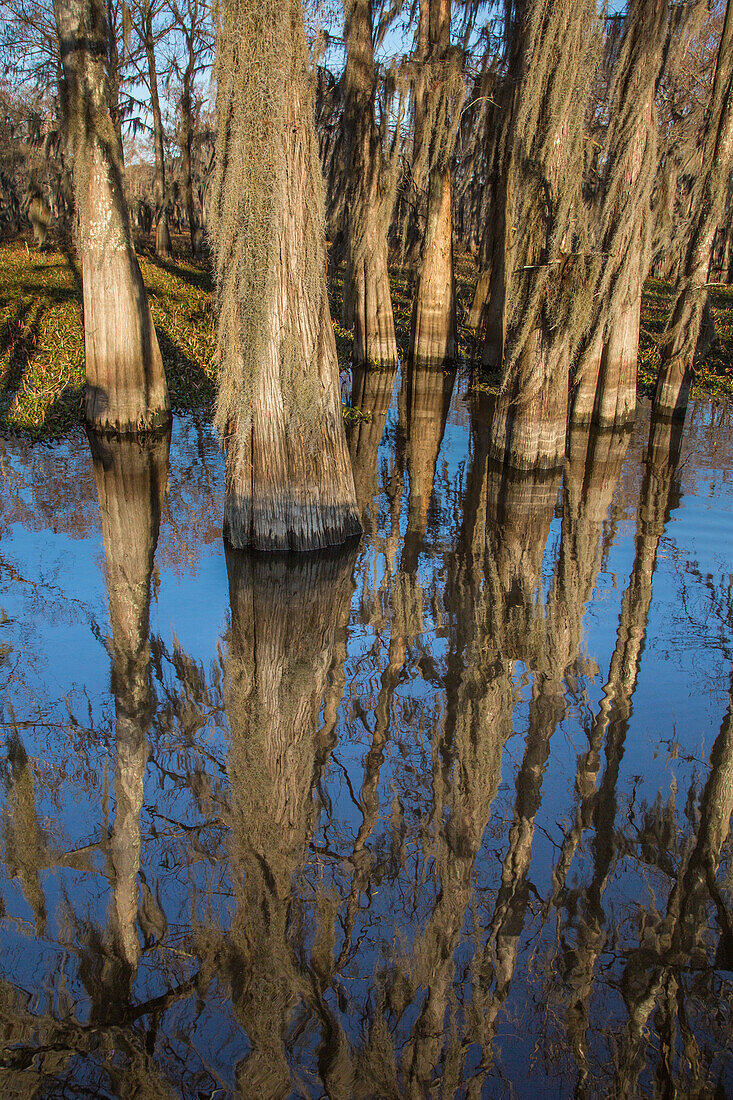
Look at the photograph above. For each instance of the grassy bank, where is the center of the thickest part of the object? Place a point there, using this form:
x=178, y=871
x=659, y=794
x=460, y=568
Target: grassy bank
x=42, y=344
x=42, y=341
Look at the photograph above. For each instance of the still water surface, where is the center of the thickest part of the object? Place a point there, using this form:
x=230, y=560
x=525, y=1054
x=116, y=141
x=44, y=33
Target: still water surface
x=444, y=813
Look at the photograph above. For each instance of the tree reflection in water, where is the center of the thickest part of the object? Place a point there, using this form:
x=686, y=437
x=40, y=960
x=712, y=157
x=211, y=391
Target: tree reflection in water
x=349, y=854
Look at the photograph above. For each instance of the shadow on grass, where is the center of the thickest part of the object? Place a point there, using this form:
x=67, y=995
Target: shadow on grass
x=19, y=341
x=189, y=387
x=199, y=278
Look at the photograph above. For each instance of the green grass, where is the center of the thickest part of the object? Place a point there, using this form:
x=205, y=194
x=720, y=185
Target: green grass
x=42, y=342
x=715, y=376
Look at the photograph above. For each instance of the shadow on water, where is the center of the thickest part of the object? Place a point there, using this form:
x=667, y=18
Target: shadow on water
x=386, y=837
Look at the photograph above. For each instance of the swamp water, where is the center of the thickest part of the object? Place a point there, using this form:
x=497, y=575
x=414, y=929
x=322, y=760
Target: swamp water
x=442, y=814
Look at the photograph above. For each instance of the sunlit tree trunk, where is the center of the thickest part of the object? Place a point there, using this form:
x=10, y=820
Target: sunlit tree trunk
x=605, y=376
x=126, y=387
x=434, y=316
x=535, y=280
x=529, y=422
x=688, y=331
x=367, y=295
x=289, y=482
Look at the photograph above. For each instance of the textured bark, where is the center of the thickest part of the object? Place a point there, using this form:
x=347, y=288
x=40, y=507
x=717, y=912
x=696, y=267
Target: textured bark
x=433, y=336
x=480, y=299
x=529, y=421
x=289, y=483
x=432, y=339
x=131, y=479
x=163, y=246
x=534, y=297
x=126, y=388
x=606, y=393
x=285, y=617
x=413, y=211
x=605, y=382
x=367, y=297
x=688, y=330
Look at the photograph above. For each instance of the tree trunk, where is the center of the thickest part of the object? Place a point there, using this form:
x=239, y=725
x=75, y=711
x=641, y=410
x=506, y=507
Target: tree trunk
x=187, y=149
x=605, y=378
x=433, y=337
x=416, y=191
x=480, y=298
x=688, y=331
x=529, y=421
x=433, y=332
x=367, y=296
x=126, y=388
x=606, y=392
x=535, y=280
x=289, y=482
x=162, y=232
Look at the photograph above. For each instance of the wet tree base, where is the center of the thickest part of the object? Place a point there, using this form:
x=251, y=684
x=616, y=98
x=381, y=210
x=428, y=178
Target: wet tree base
x=42, y=380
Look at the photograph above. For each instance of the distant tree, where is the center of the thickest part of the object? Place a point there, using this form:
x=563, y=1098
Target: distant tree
x=145, y=16
x=192, y=22
x=370, y=185
x=289, y=482
x=126, y=387
x=438, y=92
x=690, y=326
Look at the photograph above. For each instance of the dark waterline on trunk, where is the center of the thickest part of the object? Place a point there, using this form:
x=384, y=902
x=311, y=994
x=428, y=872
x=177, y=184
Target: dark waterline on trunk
x=443, y=813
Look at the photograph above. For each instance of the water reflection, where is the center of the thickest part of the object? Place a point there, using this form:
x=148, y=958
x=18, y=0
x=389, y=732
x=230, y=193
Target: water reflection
x=285, y=618
x=394, y=836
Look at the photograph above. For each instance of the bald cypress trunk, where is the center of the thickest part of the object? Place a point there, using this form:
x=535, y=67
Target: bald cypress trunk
x=126, y=387
x=688, y=331
x=535, y=297
x=289, y=482
x=605, y=376
x=433, y=333
x=367, y=295
x=529, y=421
